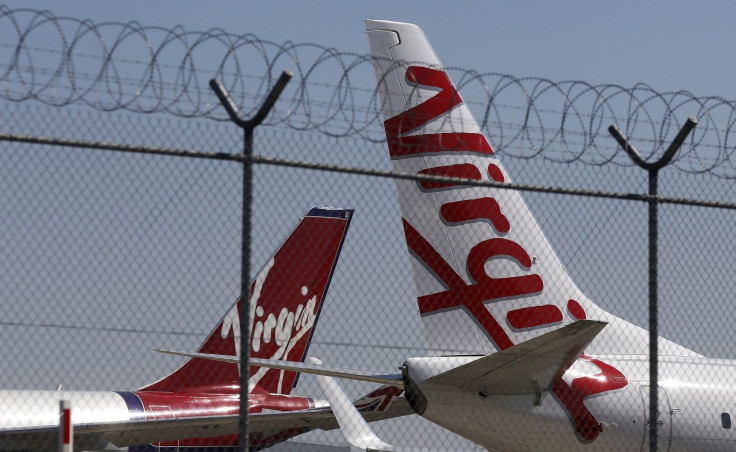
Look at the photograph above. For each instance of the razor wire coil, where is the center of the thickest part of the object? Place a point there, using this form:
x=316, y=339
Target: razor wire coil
x=147, y=69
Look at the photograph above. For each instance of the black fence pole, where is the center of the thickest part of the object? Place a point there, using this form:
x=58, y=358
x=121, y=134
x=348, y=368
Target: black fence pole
x=248, y=126
x=653, y=170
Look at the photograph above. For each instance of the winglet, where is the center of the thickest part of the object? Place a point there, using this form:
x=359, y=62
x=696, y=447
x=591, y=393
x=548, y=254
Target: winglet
x=355, y=429
x=527, y=368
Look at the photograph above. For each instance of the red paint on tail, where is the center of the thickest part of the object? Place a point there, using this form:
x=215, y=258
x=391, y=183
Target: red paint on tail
x=291, y=298
x=406, y=140
x=400, y=145
x=286, y=299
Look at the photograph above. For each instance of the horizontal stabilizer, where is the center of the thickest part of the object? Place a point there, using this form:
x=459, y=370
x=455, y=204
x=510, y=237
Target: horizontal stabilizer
x=210, y=356
x=331, y=371
x=527, y=368
x=316, y=369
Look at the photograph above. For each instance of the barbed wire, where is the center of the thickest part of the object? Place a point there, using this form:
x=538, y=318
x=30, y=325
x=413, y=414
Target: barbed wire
x=110, y=66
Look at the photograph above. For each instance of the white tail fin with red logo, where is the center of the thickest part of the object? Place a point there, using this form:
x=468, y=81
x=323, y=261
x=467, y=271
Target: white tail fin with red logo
x=286, y=300
x=486, y=276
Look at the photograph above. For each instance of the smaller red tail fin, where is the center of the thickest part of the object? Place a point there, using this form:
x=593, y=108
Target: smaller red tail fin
x=286, y=300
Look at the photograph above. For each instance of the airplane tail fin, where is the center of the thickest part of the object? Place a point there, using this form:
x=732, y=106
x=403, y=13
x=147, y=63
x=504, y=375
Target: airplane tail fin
x=486, y=276
x=285, y=302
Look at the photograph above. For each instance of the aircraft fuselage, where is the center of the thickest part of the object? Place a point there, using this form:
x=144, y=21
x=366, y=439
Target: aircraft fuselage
x=696, y=400
x=28, y=409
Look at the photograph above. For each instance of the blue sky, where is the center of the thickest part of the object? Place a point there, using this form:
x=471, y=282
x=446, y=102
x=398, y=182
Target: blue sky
x=670, y=45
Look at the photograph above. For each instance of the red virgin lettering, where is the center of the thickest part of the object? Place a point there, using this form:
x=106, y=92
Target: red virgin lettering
x=413, y=118
x=534, y=316
x=464, y=170
x=576, y=311
x=483, y=288
x=495, y=172
x=476, y=209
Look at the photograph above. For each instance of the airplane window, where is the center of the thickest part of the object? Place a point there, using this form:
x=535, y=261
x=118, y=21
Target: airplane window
x=726, y=420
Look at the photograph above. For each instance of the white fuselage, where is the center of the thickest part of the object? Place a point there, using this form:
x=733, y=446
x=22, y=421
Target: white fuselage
x=22, y=409
x=693, y=395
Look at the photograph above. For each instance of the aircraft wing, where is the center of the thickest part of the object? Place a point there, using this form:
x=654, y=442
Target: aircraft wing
x=128, y=433
x=527, y=368
x=331, y=371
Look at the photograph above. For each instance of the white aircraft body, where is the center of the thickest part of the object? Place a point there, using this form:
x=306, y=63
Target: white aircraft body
x=196, y=406
x=519, y=358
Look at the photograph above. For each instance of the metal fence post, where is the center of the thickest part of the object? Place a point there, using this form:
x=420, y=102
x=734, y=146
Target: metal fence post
x=248, y=126
x=653, y=169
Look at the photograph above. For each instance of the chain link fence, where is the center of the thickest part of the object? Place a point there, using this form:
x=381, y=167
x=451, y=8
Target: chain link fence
x=106, y=257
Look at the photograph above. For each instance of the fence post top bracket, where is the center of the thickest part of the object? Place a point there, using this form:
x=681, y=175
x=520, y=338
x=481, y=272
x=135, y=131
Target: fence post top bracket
x=666, y=157
x=268, y=103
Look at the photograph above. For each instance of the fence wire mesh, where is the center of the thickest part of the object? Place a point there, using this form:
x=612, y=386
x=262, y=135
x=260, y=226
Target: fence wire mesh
x=108, y=256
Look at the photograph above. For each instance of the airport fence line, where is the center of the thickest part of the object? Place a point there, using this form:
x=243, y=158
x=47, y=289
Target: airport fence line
x=112, y=66
x=110, y=255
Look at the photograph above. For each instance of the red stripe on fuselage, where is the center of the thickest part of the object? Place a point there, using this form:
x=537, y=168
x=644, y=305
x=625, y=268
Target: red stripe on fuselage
x=159, y=405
